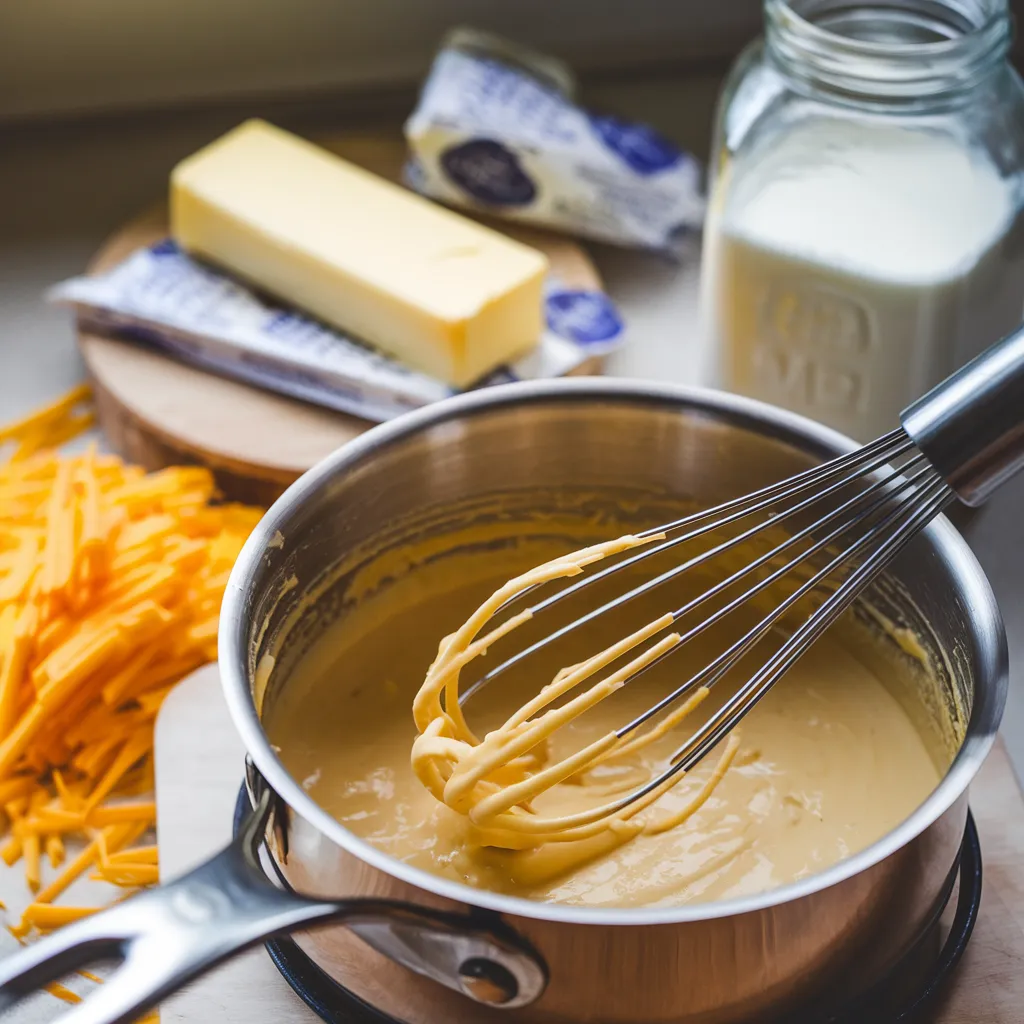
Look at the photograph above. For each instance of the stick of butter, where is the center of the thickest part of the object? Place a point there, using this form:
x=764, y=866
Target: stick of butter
x=438, y=291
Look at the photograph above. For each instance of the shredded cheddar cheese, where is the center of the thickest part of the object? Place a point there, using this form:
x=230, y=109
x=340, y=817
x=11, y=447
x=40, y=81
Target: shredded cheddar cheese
x=111, y=580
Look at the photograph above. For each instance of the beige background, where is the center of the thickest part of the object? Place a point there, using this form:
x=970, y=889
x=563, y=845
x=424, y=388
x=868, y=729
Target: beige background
x=64, y=56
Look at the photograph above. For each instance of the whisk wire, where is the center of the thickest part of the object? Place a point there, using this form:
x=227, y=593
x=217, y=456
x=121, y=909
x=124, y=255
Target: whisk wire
x=866, y=460
x=495, y=780
x=937, y=495
x=762, y=585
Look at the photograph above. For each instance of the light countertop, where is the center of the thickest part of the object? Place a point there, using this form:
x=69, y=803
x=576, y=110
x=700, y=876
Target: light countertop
x=64, y=188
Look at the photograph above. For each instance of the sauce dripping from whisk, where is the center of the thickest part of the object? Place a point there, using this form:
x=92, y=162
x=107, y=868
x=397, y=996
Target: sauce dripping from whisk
x=493, y=781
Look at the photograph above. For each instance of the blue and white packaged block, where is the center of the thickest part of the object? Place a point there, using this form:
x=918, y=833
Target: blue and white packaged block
x=161, y=297
x=489, y=136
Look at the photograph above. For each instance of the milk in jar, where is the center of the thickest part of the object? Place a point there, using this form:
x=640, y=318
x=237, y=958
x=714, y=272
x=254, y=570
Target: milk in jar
x=864, y=235
x=849, y=267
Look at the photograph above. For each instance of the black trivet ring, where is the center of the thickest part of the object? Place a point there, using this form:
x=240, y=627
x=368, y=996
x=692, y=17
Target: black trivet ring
x=335, y=1004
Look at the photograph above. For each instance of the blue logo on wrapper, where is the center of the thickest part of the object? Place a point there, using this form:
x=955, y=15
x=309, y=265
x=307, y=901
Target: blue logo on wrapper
x=642, y=148
x=489, y=172
x=166, y=247
x=588, y=318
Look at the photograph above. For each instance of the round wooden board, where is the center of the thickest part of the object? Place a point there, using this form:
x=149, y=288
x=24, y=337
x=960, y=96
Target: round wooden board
x=159, y=412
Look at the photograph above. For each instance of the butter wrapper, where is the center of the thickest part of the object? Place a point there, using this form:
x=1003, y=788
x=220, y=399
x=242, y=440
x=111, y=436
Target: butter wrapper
x=161, y=297
x=498, y=133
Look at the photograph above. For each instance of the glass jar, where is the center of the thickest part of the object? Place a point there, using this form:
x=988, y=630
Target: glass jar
x=864, y=233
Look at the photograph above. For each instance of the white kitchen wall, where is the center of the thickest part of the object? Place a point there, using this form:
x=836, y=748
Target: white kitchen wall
x=68, y=56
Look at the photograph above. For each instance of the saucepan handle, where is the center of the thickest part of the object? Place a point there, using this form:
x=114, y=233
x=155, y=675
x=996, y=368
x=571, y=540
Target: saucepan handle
x=171, y=935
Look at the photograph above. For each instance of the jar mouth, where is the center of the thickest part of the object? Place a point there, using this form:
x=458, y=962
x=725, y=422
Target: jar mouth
x=888, y=51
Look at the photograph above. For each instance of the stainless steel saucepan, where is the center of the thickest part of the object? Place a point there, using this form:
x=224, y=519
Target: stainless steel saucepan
x=425, y=949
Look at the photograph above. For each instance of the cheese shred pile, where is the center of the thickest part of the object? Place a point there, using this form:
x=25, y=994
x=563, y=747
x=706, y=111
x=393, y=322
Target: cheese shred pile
x=111, y=581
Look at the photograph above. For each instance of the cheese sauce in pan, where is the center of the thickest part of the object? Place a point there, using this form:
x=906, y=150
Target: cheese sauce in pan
x=829, y=761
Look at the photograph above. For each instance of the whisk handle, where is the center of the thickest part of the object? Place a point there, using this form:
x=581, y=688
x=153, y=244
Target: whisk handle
x=971, y=426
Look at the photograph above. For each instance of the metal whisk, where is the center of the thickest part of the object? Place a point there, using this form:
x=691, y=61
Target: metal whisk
x=852, y=515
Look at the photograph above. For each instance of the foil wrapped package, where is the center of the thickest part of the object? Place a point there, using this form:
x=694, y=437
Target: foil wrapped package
x=161, y=297
x=496, y=131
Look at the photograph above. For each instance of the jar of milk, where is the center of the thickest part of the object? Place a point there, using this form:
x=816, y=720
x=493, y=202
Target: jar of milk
x=864, y=233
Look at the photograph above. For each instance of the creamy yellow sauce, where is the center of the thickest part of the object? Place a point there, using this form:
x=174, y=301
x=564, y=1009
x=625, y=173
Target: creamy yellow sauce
x=829, y=761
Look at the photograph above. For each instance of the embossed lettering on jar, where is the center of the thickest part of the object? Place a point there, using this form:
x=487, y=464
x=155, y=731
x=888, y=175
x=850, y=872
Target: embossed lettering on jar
x=864, y=234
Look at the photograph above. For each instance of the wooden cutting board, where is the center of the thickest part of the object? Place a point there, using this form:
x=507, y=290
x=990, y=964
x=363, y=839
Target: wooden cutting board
x=199, y=771
x=159, y=412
